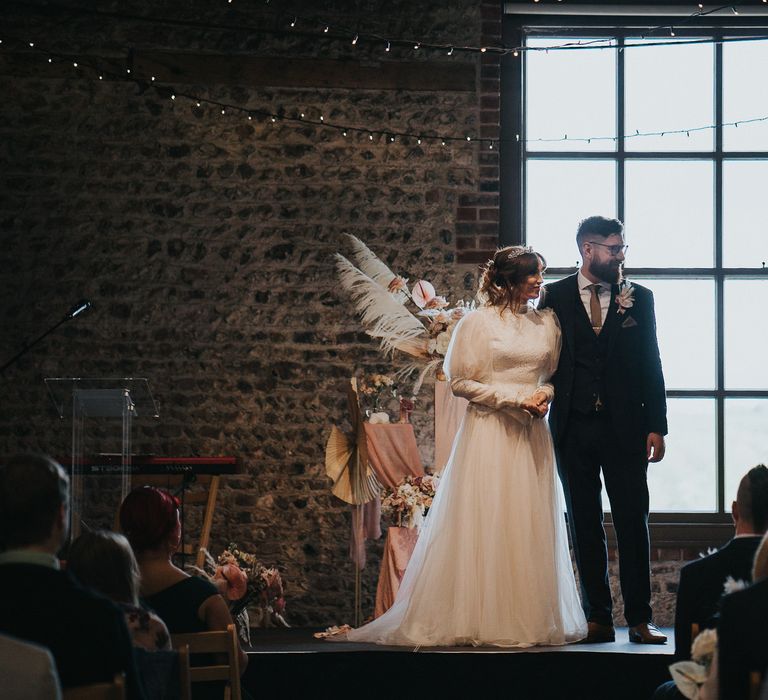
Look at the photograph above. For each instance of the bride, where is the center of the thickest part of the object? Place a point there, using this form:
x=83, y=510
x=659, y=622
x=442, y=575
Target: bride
x=491, y=565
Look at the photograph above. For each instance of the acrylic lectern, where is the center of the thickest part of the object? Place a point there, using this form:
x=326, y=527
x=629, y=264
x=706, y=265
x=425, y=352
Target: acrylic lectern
x=93, y=404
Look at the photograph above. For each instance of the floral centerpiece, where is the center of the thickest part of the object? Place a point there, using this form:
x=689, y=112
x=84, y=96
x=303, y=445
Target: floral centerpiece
x=411, y=499
x=414, y=320
x=244, y=582
x=375, y=390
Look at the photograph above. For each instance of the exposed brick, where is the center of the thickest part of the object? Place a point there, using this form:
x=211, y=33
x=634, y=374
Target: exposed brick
x=489, y=116
x=226, y=230
x=489, y=186
x=490, y=102
x=490, y=11
x=488, y=131
x=466, y=230
x=478, y=200
x=467, y=257
x=491, y=72
x=489, y=215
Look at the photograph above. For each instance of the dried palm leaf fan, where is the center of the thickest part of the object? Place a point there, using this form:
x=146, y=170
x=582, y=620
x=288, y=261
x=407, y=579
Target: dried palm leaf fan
x=346, y=458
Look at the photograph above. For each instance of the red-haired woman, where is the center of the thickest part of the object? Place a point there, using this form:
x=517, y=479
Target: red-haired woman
x=149, y=517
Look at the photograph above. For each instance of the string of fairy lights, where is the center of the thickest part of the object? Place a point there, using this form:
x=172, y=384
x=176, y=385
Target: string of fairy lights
x=288, y=21
x=316, y=118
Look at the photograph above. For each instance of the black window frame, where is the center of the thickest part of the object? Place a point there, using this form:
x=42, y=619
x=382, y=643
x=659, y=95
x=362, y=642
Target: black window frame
x=667, y=529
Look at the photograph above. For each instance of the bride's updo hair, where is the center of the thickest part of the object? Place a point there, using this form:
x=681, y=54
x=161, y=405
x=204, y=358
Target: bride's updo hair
x=504, y=273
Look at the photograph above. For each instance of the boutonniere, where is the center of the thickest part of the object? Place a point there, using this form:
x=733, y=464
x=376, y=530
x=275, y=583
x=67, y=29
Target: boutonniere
x=625, y=299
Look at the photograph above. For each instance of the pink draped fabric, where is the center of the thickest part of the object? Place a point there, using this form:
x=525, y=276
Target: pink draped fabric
x=449, y=412
x=397, y=551
x=366, y=525
x=392, y=452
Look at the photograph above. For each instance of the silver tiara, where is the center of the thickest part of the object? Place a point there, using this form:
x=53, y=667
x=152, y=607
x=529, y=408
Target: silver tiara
x=520, y=251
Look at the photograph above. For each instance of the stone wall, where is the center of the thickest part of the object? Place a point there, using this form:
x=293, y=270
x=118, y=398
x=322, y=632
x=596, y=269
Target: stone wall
x=205, y=240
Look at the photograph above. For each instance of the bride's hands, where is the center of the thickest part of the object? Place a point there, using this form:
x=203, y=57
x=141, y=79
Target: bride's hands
x=537, y=404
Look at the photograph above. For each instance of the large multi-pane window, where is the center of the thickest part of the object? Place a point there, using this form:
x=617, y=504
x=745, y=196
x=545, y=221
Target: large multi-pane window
x=694, y=200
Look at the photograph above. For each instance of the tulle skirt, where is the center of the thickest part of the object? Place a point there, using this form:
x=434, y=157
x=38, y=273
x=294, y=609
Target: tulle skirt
x=491, y=566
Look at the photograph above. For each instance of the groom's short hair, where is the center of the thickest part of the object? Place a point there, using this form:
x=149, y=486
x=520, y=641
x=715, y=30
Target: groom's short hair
x=597, y=226
x=752, y=497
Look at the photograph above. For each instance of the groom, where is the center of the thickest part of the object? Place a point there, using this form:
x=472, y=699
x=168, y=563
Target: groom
x=609, y=414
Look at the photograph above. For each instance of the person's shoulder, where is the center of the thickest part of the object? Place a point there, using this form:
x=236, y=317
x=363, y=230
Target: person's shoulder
x=198, y=586
x=476, y=317
x=754, y=598
x=561, y=284
x=640, y=291
x=95, y=603
x=698, y=568
x=548, y=316
x=11, y=646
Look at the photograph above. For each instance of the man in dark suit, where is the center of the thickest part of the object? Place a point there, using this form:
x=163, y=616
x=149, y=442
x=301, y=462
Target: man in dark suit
x=741, y=645
x=701, y=582
x=40, y=603
x=609, y=414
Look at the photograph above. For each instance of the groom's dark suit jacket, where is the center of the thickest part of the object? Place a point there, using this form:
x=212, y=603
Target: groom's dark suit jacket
x=632, y=384
x=701, y=587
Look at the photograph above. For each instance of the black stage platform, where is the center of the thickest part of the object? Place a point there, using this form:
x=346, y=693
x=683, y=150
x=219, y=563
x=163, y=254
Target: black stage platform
x=295, y=665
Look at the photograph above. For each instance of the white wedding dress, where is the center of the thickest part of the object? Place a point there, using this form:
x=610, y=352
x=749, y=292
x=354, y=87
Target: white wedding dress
x=491, y=566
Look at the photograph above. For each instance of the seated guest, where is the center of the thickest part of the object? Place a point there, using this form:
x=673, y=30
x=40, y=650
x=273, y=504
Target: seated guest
x=104, y=562
x=40, y=603
x=149, y=517
x=741, y=642
x=701, y=582
x=27, y=671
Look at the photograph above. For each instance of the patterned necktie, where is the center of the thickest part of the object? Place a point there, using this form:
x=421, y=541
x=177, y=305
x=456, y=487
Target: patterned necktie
x=595, y=311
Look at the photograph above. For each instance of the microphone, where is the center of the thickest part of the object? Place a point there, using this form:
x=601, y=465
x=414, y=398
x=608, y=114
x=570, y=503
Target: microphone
x=78, y=308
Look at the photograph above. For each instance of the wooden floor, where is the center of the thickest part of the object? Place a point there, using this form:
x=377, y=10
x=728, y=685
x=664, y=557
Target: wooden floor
x=291, y=661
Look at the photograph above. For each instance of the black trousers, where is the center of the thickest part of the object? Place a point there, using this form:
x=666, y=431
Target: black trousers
x=589, y=447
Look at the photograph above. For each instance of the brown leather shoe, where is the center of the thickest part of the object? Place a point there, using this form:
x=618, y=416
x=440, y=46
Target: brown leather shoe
x=599, y=634
x=646, y=633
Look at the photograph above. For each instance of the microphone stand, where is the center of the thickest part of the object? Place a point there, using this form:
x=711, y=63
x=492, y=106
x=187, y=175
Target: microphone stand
x=76, y=310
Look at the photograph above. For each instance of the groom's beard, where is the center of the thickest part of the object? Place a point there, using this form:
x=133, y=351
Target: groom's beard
x=611, y=271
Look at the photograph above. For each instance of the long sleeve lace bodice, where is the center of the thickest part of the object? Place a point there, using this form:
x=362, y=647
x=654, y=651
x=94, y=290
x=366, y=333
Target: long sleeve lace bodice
x=493, y=549
x=498, y=360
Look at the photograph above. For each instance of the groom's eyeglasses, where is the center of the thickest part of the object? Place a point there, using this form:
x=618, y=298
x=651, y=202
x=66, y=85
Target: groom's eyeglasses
x=612, y=249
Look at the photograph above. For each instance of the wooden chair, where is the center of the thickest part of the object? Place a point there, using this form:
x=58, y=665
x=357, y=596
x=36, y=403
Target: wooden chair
x=98, y=691
x=185, y=683
x=222, y=642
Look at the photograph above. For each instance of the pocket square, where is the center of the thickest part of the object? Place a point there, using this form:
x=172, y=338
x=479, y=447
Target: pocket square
x=629, y=322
